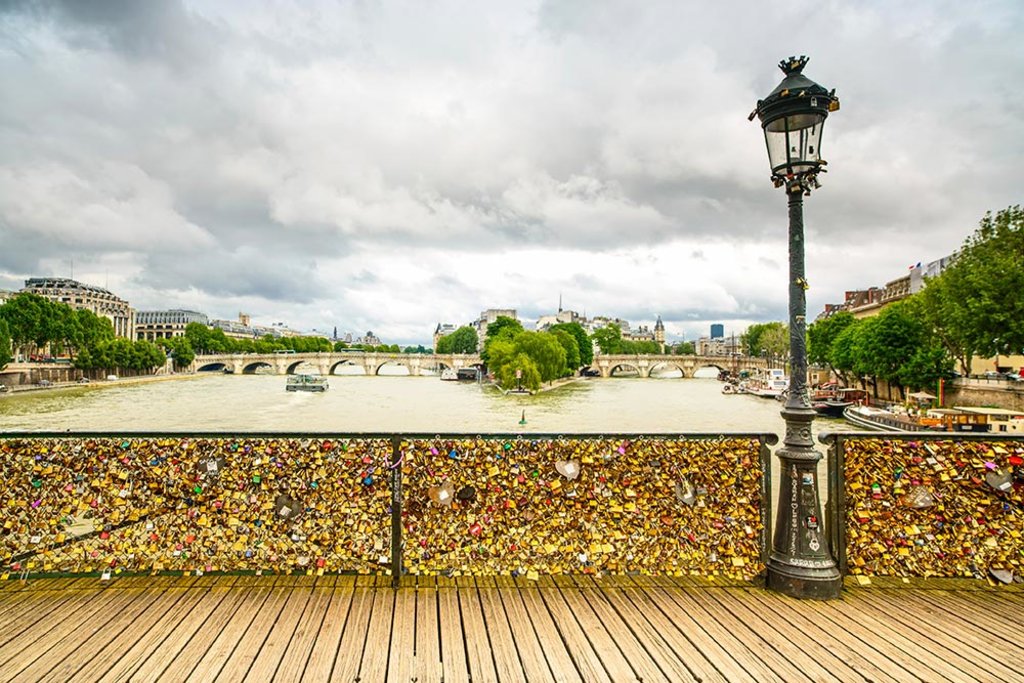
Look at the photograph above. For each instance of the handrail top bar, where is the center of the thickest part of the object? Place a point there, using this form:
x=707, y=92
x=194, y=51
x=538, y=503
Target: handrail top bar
x=524, y=436
x=828, y=437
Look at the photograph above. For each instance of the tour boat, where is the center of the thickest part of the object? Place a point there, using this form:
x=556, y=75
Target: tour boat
x=771, y=385
x=880, y=419
x=832, y=402
x=449, y=375
x=306, y=383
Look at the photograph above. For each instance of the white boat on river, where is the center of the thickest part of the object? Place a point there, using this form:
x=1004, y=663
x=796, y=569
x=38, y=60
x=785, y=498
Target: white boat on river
x=306, y=383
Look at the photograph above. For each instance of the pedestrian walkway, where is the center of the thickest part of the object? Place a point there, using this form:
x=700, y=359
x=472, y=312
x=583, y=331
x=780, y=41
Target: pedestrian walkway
x=561, y=628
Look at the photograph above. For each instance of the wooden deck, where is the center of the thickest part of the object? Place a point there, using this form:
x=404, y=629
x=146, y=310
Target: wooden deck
x=345, y=628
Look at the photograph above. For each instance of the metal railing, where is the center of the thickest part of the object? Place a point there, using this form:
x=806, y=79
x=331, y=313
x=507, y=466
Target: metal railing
x=926, y=504
x=385, y=502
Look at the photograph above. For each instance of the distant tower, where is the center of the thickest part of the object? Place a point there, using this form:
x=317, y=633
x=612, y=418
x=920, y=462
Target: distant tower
x=559, y=302
x=659, y=334
x=717, y=331
x=335, y=337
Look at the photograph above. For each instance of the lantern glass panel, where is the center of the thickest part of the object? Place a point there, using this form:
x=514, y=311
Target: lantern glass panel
x=794, y=143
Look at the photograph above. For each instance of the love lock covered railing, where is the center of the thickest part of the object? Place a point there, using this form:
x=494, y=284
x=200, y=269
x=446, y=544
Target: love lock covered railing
x=389, y=503
x=927, y=505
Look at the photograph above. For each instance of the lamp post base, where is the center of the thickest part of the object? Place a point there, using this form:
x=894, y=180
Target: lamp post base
x=808, y=583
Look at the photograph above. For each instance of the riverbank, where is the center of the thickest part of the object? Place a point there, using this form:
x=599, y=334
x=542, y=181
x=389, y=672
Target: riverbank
x=554, y=384
x=95, y=384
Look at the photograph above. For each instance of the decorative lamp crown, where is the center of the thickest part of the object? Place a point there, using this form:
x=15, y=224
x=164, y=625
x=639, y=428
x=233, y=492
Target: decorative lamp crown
x=793, y=116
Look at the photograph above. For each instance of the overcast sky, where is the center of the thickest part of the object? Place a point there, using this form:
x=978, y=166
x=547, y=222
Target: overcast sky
x=385, y=166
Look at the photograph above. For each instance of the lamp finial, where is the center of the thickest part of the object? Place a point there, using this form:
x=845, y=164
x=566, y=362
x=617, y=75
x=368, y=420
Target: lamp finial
x=793, y=65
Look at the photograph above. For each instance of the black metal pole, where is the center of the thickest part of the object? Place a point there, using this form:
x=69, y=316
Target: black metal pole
x=801, y=564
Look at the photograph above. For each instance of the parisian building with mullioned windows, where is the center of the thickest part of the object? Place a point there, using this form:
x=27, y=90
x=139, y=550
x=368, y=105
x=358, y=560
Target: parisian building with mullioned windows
x=81, y=296
x=152, y=325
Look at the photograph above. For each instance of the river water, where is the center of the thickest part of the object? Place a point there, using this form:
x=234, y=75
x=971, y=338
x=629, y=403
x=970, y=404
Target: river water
x=250, y=403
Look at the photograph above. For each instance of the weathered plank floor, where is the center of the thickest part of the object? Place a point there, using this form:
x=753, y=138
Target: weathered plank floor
x=336, y=628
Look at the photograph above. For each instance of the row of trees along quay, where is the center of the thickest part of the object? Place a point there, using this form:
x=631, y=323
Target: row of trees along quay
x=974, y=308
x=31, y=325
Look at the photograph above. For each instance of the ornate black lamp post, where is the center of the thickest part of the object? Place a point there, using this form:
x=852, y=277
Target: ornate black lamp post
x=793, y=116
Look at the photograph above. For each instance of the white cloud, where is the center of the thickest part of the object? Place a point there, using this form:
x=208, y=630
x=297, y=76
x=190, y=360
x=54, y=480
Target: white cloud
x=390, y=165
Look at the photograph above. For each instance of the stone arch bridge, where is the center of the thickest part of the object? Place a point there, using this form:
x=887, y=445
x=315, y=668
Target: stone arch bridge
x=687, y=365
x=372, y=362
x=325, y=363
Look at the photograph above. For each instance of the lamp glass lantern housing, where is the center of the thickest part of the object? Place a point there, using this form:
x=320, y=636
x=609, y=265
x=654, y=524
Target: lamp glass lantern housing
x=793, y=118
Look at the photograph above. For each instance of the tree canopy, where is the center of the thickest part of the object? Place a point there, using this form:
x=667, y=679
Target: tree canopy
x=462, y=340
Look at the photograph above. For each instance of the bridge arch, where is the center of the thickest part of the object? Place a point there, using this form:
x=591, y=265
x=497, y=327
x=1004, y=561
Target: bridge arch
x=212, y=367
x=393, y=363
x=347, y=363
x=251, y=368
x=625, y=367
x=667, y=365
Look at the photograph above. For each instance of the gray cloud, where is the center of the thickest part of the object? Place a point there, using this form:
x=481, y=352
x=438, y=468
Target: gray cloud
x=265, y=155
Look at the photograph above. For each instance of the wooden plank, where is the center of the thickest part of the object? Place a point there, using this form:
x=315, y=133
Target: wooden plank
x=720, y=642
x=541, y=660
x=796, y=647
x=504, y=648
x=239, y=663
x=20, y=652
x=690, y=621
x=871, y=632
x=289, y=621
x=747, y=637
x=990, y=620
x=353, y=639
x=176, y=640
x=614, y=606
x=860, y=659
x=34, y=608
x=454, y=665
x=327, y=644
x=569, y=654
x=218, y=651
x=180, y=667
x=293, y=663
x=429, y=666
x=680, y=640
x=374, y=666
x=94, y=639
x=474, y=630
x=147, y=641
x=569, y=605
x=919, y=621
x=942, y=660
x=402, y=660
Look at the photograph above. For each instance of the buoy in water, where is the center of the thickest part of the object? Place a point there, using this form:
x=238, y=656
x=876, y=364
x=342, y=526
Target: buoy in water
x=522, y=420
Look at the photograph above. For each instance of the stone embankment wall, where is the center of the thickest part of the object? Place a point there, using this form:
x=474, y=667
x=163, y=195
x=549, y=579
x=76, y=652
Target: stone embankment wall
x=999, y=395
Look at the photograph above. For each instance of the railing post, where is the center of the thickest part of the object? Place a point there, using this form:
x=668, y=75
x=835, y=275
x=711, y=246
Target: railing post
x=765, y=456
x=396, y=510
x=835, y=512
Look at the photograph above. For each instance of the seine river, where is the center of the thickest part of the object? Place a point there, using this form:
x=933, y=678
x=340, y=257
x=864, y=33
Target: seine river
x=217, y=402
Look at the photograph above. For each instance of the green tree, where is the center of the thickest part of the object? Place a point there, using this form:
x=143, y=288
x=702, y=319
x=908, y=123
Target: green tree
x=503, y=328
x=822, y=334
x=6, y=355
x=583, y=343
x=24, y=315
x=198, y=336
x=572, y=351
x=684, y=349
x=608, y=338
x=977, y=307
x=462, y=340
x=182, y=351
x=544, y=350
x=765, y=338
x=521, y=364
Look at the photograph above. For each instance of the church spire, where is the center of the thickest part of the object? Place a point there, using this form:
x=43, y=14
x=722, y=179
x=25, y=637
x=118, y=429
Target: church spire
x=559, y=302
